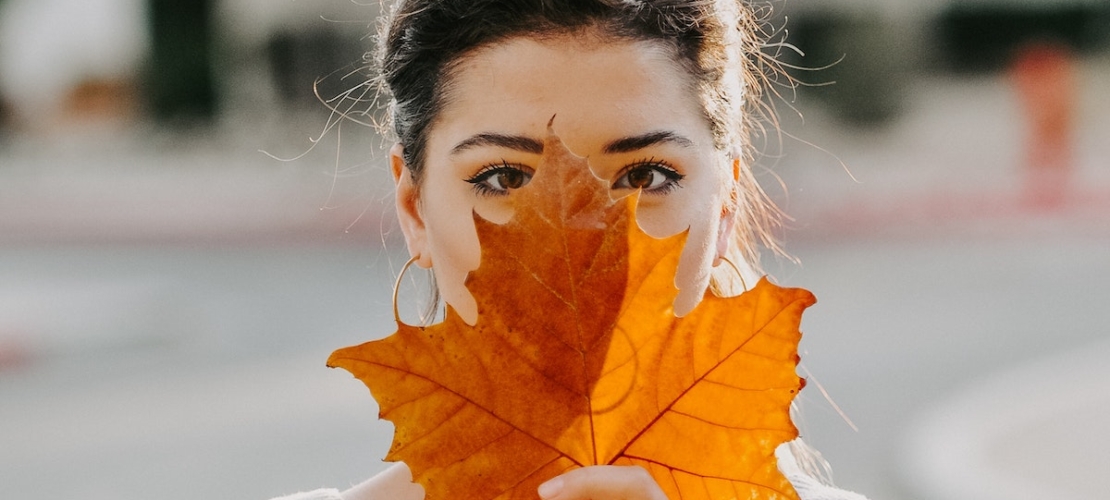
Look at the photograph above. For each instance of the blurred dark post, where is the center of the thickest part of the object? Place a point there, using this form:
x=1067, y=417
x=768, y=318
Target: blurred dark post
x=180, y=83
x=1044, y=76
x=305, y=62
x=4, y=115
x=858, y=64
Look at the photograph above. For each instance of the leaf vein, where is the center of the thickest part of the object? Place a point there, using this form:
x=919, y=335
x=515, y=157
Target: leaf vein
x=703, y=476
x=697, y=380
x=476, y=405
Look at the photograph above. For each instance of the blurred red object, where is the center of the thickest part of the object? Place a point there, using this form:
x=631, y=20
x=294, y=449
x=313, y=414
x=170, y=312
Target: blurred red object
x=13, y=354
x=1044, y=76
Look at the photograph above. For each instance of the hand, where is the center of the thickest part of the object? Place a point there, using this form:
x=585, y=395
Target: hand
x=603, y=482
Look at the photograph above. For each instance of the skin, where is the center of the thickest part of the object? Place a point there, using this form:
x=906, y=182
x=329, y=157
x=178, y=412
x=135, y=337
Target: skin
x=627, y=107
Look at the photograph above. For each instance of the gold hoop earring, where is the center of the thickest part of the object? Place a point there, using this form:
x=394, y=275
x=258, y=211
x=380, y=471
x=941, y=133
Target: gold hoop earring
x=731, y=264
x=428, y=316
x=397, y=286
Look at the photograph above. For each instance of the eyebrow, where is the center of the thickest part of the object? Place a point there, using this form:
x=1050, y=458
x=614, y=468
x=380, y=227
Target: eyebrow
x=535, y=146
x=517, y=142
x=638, y=142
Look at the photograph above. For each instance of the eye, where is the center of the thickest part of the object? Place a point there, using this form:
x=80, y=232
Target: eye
x=498, y=179
x=651, y=176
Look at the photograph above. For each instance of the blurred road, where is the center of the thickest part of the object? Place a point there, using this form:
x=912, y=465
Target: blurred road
x=165, y=313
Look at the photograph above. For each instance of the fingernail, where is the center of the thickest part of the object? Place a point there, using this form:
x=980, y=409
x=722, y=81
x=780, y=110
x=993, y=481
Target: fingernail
x=551, y=488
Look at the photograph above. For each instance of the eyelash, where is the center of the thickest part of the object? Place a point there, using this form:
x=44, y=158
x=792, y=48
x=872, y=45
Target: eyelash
x=486, y=172
x=663, y=167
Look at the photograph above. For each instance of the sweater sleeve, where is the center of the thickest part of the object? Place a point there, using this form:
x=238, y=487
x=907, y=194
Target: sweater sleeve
x=396, y=483
x=807, y=486
x=320, y=494
x=393, y=483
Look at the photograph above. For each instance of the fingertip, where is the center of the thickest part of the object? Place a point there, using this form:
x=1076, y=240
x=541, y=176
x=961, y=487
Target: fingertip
x=551, y=488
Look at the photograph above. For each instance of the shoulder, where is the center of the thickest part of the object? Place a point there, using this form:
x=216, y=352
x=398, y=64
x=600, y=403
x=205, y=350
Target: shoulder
x=320, y=494
x=807, y=486
x=394, y=483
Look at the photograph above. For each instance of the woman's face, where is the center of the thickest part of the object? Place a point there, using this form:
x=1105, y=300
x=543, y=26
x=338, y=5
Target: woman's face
x=625, y=105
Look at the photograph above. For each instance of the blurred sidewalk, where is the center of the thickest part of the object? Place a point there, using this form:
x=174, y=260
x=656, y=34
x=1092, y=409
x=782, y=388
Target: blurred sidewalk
x=119, y=185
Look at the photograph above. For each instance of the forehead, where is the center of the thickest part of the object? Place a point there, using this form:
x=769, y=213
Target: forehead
x=594, y=87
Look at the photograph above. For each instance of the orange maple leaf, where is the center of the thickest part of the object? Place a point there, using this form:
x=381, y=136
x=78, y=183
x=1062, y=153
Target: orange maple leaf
x=578, y=359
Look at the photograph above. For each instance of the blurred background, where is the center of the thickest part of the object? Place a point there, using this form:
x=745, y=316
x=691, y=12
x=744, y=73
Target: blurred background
x=194, y=212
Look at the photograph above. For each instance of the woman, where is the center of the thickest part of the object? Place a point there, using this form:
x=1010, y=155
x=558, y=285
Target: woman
x=659, y=95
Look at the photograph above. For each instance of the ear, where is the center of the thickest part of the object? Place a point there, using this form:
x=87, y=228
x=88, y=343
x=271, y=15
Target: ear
x=724, y=236
x=408, y=208
x=727, y=225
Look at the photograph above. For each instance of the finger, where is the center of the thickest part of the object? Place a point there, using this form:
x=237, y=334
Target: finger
x=603, y=482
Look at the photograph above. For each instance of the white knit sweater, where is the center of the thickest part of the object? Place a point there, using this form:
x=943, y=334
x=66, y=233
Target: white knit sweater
x=808, y=487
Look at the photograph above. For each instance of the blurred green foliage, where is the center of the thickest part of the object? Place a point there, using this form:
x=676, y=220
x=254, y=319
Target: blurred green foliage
x=179, y=81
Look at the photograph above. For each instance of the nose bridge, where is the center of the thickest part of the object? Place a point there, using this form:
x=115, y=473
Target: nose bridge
x=586, y=125
x=579, y=132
